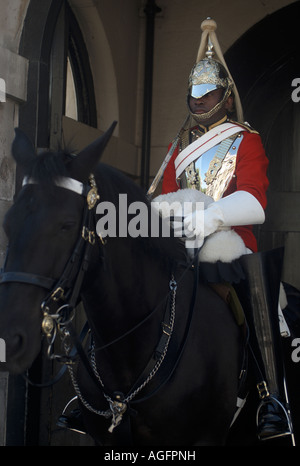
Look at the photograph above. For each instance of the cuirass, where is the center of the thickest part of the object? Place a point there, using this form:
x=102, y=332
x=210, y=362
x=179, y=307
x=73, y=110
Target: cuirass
x=212, y=172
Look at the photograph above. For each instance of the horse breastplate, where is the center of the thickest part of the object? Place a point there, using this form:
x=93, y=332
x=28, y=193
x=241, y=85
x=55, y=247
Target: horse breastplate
x=212, y=172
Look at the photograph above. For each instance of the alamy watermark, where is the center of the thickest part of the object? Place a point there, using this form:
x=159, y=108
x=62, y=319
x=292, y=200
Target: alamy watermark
x=138, y=219
x=2, y=350
x=2, y=90
x=296, y=352
x=296, y=92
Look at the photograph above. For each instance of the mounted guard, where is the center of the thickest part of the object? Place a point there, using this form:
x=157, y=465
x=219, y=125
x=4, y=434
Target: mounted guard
x=221, y=161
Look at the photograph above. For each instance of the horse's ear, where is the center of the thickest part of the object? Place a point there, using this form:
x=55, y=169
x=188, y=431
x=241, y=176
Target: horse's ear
x=85, y=162
x=22, y=149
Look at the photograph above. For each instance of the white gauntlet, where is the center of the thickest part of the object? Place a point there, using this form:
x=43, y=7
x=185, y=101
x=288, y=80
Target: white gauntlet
x=239, y=208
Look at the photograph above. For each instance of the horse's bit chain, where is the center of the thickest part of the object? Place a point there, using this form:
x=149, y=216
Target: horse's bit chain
x=118, y=407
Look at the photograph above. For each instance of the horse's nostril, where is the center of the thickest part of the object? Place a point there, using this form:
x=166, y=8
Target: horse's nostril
x=21, y=350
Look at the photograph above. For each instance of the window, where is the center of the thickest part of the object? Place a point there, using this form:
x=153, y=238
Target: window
x=71, y=108
x=71, y=91
x=79, y=95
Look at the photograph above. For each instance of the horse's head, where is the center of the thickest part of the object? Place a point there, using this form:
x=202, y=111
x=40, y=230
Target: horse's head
x=43, y=227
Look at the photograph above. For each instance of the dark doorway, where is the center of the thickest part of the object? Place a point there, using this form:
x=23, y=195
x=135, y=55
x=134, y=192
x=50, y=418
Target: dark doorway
x=264, y=62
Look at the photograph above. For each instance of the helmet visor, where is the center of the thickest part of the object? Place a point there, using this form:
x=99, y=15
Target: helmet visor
x=199, y=90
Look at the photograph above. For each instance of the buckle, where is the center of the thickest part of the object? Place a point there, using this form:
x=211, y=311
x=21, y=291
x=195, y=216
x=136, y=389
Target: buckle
x=57, y=294
x=263, y=390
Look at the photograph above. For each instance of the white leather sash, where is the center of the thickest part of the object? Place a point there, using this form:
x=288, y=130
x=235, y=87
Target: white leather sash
x=203, y=144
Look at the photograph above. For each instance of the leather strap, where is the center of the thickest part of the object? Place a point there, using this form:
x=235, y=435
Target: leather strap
x=28, y=278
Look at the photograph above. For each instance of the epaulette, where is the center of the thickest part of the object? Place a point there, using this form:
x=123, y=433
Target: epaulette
x=185, y=138
x=246, y=126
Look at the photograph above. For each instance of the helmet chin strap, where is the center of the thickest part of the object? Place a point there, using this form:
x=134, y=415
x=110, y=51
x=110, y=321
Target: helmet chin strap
x=206, y=116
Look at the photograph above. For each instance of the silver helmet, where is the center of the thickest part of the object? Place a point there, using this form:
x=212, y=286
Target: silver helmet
x=206, y=76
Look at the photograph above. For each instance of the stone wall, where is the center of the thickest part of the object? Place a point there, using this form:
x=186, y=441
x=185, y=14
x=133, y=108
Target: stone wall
x=13, y=73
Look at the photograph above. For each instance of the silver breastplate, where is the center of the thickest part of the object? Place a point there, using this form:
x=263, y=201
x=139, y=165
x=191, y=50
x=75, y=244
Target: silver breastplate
x=213, y=170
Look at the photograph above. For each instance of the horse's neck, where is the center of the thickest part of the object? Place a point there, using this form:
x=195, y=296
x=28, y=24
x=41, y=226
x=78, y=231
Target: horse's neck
x=125, y=292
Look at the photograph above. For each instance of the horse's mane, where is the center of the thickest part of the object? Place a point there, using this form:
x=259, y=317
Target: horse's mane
x=111, y=182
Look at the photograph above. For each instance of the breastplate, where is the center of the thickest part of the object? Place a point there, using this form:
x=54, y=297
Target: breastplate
x=212, y=172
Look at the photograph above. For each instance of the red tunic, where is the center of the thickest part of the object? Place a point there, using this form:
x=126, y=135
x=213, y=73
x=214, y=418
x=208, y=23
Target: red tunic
x=250, y=175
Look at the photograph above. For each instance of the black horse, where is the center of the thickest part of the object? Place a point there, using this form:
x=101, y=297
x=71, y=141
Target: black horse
x=165, y=353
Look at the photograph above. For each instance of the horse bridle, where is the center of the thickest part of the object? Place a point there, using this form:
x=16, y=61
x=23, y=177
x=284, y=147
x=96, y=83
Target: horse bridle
x=67, y=287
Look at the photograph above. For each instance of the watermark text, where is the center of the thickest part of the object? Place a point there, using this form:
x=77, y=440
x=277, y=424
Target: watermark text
x=138, y=219
x=296, y=352
x=296, y=92
x=2, y=350
x=2, y=90
x=151, y=455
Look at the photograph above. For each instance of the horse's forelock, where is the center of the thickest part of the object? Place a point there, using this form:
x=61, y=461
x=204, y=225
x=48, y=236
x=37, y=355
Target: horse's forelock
x=48, y=166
